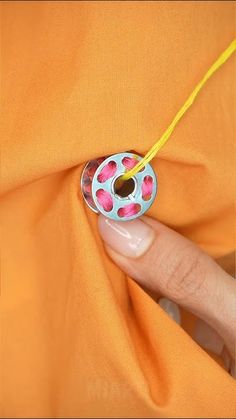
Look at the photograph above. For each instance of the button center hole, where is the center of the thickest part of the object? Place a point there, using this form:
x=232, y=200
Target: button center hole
x=124, y=188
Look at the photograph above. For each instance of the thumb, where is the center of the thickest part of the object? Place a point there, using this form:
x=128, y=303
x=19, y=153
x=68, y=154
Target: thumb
x=163, y=261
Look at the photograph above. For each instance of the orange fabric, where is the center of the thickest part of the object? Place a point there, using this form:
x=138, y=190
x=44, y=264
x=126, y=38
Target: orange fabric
x=83, y=80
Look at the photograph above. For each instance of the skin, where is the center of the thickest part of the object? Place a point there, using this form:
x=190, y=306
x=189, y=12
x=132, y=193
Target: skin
x=191, y=278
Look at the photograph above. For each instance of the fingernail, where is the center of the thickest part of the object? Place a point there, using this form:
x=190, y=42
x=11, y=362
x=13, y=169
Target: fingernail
x=129, y=238
x=171, y=309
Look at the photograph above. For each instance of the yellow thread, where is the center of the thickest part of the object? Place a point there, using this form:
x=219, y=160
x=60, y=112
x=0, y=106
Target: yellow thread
x=164, y=138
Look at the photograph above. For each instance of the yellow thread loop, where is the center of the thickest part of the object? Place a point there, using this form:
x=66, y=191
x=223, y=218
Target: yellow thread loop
x=164, y=138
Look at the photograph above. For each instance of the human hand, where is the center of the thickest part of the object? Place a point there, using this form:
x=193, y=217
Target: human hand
x=165, y=262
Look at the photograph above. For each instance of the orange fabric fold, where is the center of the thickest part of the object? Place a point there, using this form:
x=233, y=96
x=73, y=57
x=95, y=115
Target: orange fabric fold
x=82, y=80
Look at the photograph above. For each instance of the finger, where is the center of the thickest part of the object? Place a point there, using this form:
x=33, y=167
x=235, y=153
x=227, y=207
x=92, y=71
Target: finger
x=207, y=337
x=202, y=333
x=163, y=261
